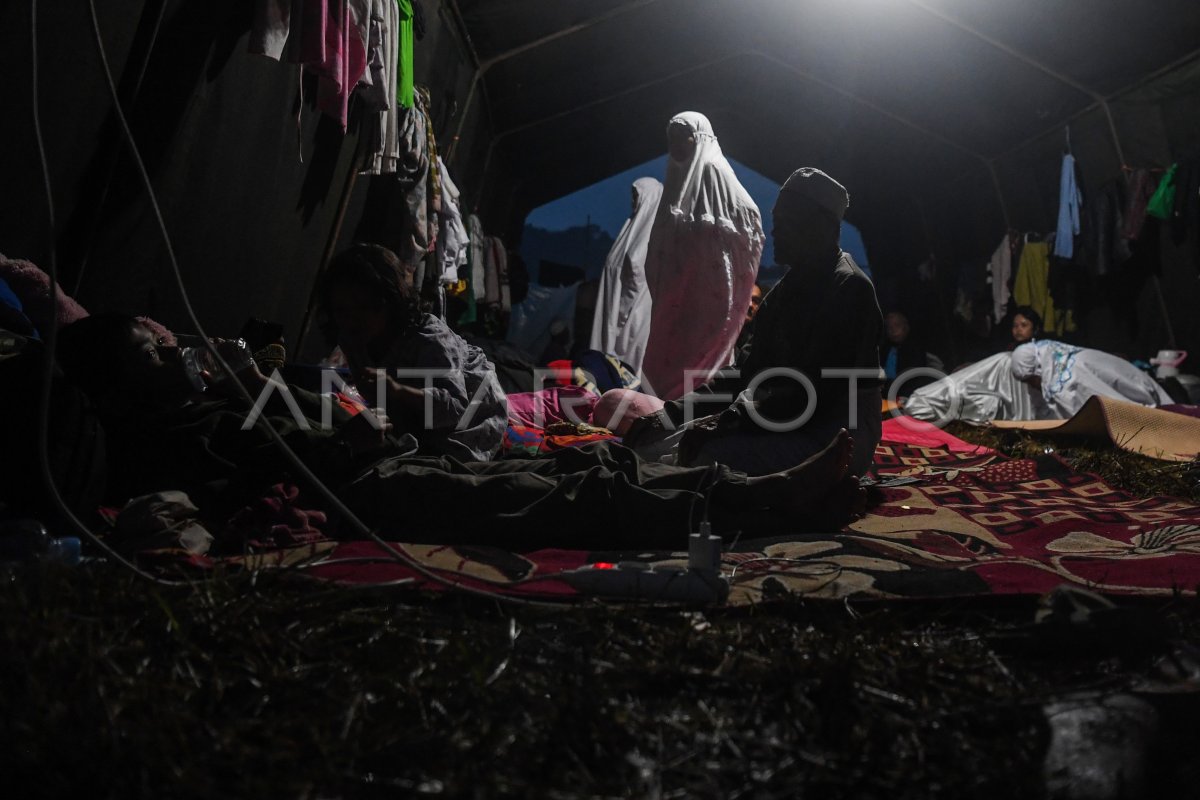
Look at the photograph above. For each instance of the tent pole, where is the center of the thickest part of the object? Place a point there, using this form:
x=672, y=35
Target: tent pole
x=330, y=245
x=1156, y=285
x=462, y=119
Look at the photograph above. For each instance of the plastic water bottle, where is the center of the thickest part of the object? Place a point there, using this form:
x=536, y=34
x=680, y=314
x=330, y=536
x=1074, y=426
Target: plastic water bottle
x=26, y=540
x=198, y=360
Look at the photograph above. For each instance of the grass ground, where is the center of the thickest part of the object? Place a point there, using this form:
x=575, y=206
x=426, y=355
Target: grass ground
x=272, y=686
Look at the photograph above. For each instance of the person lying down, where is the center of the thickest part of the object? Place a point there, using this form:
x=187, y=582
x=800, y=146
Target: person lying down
x=162, y=435
x=1040, y=379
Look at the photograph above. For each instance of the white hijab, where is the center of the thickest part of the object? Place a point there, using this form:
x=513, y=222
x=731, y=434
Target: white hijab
x=621, y=325
x=706, y=189
x=701, y=264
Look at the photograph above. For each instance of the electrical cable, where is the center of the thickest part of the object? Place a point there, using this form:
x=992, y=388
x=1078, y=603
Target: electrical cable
x=302, y=470
x=51, y=341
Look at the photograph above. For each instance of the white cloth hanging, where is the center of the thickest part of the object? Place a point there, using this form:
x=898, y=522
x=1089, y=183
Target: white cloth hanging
x=621, y=325
x=1000, y=266
x=701, y=263
x=1070, y=375
x=453, y=240
x=377, y=87
x=500, y=253
x=478, y=257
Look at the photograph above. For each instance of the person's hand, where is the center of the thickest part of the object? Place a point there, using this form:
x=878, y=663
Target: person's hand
x=396, y=395
x=246, y=371
x=366, y=432
x=369, y=383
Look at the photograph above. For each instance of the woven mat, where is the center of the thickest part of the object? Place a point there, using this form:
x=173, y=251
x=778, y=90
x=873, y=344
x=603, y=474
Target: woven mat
x=1152, y=432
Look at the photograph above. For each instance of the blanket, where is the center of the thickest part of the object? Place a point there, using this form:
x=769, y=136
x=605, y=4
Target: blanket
x=951, y=523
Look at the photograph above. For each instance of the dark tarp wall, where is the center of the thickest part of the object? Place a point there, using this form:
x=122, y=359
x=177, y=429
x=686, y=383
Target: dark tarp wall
x=249, y=194
x=218, y=131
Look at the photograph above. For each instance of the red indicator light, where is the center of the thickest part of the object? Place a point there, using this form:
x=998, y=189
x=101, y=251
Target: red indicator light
x=604, y=565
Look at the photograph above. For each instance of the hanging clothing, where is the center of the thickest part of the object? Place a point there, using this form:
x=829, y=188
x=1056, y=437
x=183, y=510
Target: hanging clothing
x=1162, y=203
x=1000, y=266
x=1140, y=189
x=1069, y=202
x=412, y=173
x=1032, y=288
x=478, y=258
x=1105, y=246
x=453, y=242
x=621, y=325
x=493, y=252
x=701, y=262
x=500, y=253
x=344, y=60
x=377, y=89
x=404, y=71
x=1070, y=375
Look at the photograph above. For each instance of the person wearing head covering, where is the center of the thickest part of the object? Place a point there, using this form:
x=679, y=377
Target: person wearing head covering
x=823, y=315
x=701, y=262
x=621, y=325
x=1068, y=376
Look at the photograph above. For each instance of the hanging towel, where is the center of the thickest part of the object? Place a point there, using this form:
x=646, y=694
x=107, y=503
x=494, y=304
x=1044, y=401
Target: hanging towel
x=1001, y=268
x=1069, y=201
x=478, y=258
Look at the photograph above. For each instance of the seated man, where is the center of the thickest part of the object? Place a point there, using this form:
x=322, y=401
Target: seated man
x=821, y=316
x=163, y=436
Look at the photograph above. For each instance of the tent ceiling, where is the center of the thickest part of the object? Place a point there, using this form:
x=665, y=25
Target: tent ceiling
x=901, y=91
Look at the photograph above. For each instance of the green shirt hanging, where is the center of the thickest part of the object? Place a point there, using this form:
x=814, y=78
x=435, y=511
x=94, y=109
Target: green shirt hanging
x=404, y=82
x=1163, y=201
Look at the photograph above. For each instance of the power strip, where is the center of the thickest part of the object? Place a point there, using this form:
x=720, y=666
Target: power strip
x=637, y=580
x=700, y=583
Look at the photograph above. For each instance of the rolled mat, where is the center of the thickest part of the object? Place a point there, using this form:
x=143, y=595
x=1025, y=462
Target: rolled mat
x=1153, y=432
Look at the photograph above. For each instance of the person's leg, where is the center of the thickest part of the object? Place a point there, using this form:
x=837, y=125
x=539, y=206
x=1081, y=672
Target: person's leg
x=867, y=432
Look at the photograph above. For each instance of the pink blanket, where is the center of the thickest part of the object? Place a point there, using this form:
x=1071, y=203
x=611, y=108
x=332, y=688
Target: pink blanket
x=558, y=404
x=906, y=430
